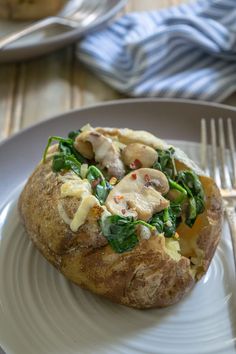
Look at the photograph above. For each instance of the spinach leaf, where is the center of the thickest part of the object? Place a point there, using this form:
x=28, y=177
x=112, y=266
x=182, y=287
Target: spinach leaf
x=66, y=162
x=167, y=220
x=186, y=183
x=68, y=149
x=165, y=162
x=183, y=193
x=68, y=157
x=100, y=186
x=190, y=181
x=66, y=146
x=55, y=138
x=73, y=134
x=121, y=232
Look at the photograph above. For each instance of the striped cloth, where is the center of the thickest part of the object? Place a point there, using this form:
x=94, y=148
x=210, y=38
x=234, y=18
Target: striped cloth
x=188, y=51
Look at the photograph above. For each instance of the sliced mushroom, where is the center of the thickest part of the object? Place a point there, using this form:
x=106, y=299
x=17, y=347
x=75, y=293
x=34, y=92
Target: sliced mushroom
x=139, y=194
x=85, y=148
x=92, y=143
x=143, y=153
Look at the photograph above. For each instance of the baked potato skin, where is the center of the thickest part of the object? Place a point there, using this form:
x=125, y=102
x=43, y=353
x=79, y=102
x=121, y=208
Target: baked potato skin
x=142, y=278
x=38, y=207
x=145, y=277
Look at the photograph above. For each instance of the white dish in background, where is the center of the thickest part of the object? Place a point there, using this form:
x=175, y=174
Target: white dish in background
x=42, y=312
x=55, y=37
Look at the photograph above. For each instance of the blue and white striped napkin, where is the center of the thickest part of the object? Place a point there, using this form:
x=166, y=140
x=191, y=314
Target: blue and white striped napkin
x=188, y=51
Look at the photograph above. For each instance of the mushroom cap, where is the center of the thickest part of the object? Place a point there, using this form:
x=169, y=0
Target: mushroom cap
x=139, y=194
x=146, y=155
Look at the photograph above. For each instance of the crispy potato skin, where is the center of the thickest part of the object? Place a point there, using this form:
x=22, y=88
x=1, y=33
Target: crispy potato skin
x=145, y=277
x=38, y=206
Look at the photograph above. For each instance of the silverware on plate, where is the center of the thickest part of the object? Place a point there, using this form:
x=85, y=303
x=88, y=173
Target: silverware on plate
x=222, y=167
x=80, y=17
x=39, y=25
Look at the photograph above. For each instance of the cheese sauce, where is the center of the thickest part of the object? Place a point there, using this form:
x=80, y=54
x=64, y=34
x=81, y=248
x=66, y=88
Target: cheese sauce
x=80, y=216
x=74, y=186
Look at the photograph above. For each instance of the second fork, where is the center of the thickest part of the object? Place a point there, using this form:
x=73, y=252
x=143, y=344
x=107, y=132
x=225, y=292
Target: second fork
x=222, y=167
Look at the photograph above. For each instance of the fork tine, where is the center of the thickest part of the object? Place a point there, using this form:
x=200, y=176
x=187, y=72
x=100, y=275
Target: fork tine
x=222, y=153
x=203, y=152
x=214, y=148
x=232, y=151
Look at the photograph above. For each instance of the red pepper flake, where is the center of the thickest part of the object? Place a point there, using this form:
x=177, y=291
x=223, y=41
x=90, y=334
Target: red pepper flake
x=147, y=178
x=123, y=211
x=118, y=198
x=176, y=236
x=136, y=164
x=95, y=182
x=134, y=176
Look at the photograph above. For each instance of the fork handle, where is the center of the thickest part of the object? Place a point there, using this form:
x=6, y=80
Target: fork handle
x=231, y=217
x=8, y=39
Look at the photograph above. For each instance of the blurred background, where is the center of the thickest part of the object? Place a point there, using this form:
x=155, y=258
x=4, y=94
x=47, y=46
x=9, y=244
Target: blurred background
x=36, y=89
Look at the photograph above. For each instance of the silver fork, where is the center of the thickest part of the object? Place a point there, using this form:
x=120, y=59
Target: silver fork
x=75, y=19
x=222, y=168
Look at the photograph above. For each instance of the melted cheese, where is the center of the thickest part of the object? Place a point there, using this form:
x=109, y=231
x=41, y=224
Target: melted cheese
x=63, y=214
x=86, y=128
x=74, y=186
x=81, y=214
x=103, y=150
x=68, y=177
x=84, y=170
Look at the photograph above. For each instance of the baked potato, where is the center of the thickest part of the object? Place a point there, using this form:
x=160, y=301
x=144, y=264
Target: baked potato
x=29, y=9
x=123, y=214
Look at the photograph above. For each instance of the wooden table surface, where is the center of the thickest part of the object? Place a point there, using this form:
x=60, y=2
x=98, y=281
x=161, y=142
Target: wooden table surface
x=41, y=88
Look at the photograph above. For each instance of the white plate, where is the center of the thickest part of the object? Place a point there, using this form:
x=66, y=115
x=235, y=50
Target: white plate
x=98, y=13
x=42, y=312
